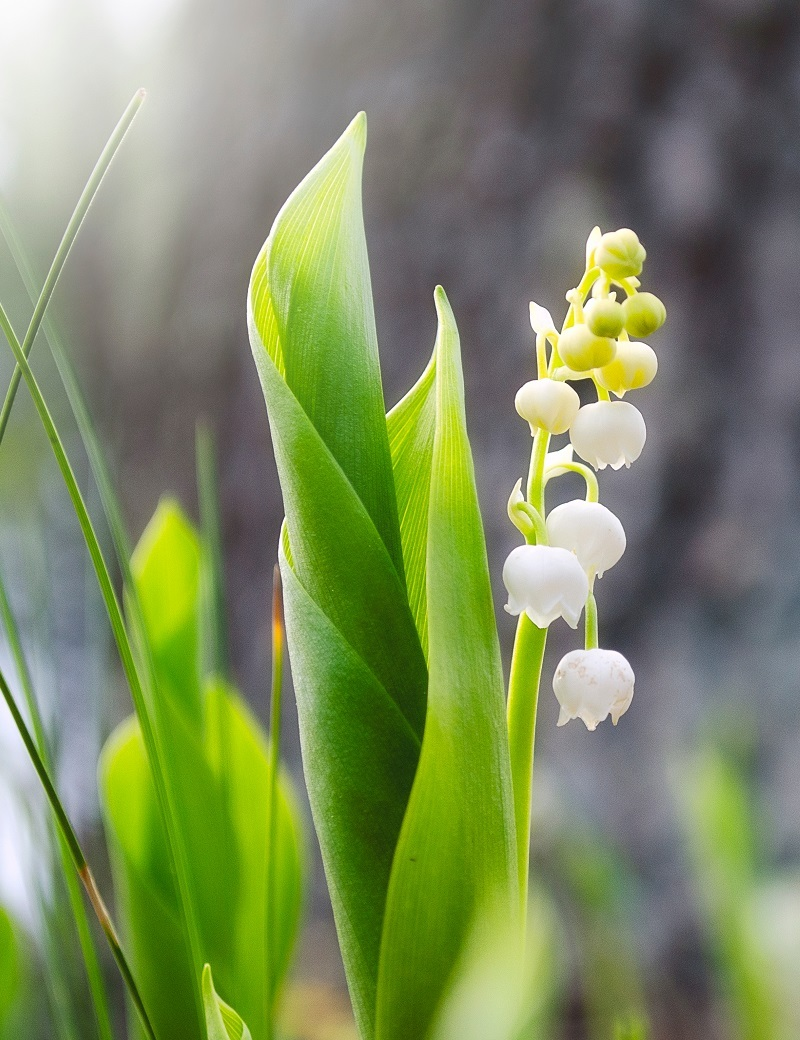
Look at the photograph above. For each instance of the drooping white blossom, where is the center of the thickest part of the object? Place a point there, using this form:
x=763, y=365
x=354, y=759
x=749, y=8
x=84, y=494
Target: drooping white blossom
x=546, y=582
x=589, y=530
x=547, y=404
x=634, y=366
x=591, y=685
x=608, y=433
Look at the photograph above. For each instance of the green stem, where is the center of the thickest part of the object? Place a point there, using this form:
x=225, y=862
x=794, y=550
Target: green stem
x=76, y=853
x=82, y=208
x=592, y=487
x=272, y=794
x=592, y=640
x=535, y=488
x=523, y=697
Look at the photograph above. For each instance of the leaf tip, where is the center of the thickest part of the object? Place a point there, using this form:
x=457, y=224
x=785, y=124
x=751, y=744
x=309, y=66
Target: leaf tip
x=357, y=130
x=443, y=309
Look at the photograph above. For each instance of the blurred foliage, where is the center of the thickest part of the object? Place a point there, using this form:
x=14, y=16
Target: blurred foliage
x=10, y=977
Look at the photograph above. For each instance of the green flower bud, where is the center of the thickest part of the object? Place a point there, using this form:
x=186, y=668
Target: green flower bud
x=644, y=313
x=604, y=317
x=620, y=254
x=581, y=350
x=634, y=366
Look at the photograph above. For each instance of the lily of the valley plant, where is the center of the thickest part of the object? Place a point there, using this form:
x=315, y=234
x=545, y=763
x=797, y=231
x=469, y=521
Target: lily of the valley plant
x=419, y=778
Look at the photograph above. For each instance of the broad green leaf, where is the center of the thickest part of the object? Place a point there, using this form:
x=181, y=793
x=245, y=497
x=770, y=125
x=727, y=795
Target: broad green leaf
x=359, y=755
x=146, y=892
x=456, y=854
x=9, y=969
x=321, y=299
x=357, y=662
x=484, y=999
x=222, y=1022
x=219, y=766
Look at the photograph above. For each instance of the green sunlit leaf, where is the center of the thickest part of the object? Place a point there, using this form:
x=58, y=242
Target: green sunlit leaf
x=357, y=662
x=456, y=854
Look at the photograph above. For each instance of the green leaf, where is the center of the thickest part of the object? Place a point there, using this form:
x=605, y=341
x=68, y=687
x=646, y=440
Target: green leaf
x=219, y=767
x=222, y=1022
x=233, y=896
x=358, y=666
x=166, y=569
x=321, y=299
x=412, y=425
x=487, y=996
x=456, y=855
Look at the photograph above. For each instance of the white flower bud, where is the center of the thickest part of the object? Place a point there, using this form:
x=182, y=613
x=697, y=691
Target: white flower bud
x=591, y=685
x=548, y=404
x=589, y=530
x=541, y=320
x=634, y=366
x=581, y=350
x=644, y=314
x=608, y=433
x=604, y=317
x=620, y=253
x=547, y=583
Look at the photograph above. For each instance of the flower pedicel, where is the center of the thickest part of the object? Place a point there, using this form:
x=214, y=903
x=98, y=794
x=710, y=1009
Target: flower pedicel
x=594, y=344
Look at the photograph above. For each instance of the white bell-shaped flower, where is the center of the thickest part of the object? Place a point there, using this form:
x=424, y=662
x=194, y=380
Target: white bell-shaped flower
x=547, y=403
x=634, y=366
x=590, y=531
x=591, y=685
x=546, y=582
x=608, y=433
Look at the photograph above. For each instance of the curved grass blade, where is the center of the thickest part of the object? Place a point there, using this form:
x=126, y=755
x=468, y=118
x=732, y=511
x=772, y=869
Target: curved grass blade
x=456, y=855
x=357, y=663
x=76, y=852
x=88, y=950
x=71, y=233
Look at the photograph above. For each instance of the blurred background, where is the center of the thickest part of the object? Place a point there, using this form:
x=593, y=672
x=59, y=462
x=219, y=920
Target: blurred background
x=666, y=851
